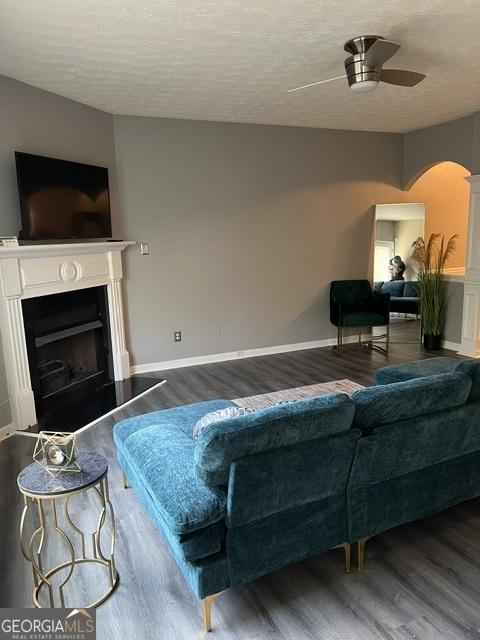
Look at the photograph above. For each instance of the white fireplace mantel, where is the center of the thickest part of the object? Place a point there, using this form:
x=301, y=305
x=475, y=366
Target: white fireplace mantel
x=31, y=271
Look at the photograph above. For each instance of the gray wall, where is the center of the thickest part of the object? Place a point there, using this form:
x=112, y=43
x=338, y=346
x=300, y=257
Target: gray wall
x=41, y=122
x=453, y=321
x=453, y=141
x=247, y=226
x=385, y=230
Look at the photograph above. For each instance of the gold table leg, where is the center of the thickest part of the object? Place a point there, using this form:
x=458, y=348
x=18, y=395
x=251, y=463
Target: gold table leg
x=32, y=553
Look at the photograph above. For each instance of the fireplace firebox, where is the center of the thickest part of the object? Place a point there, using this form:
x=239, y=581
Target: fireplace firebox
x=68, y=347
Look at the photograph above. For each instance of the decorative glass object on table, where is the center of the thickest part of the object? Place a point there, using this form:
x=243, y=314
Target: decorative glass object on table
x=57, y=452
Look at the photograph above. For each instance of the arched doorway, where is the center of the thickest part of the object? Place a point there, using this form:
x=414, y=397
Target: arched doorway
x=443, y=190
x=446, y=193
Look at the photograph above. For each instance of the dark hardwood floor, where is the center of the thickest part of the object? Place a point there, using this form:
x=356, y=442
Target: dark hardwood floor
x=421, y=580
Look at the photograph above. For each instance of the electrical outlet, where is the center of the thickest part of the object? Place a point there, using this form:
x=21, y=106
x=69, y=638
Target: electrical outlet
x=144, y=248
x=177, y=336
x=217, y=332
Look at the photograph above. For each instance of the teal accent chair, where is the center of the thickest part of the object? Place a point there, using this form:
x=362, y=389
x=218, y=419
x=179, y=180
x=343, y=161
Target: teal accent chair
x=354, y=304
x=253, y=494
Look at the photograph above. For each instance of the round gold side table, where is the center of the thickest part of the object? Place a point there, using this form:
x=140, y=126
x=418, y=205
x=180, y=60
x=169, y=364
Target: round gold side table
x=40, y=490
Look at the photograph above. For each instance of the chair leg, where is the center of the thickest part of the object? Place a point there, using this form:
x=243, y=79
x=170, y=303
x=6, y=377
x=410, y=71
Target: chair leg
x=337, y=348
x=361, y=553
x=347, y=555
x=207, y=604
x=125, y=482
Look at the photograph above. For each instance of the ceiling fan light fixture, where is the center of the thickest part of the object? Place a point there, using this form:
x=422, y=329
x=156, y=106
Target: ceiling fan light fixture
x=363, y=86
x=364, y=67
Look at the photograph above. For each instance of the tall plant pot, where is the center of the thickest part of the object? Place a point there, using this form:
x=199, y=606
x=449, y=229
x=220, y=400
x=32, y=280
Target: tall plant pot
x=432, y=342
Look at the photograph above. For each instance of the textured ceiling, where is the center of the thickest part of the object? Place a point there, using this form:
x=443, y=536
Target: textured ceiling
x=234, y=60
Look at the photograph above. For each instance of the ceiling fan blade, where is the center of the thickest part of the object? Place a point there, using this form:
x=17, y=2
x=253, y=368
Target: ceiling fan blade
x=313, y=84
x=400, y=77
x=380, y=51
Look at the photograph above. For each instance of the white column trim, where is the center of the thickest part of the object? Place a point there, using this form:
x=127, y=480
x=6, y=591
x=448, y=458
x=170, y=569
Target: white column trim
x=121, y=358
x=22, y=402
x=470, y=345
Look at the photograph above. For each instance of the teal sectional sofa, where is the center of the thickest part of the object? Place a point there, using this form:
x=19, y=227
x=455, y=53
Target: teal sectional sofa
x=267, y=489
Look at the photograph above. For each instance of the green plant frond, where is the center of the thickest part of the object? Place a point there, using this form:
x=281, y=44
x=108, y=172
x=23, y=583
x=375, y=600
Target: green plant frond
x=451, y=246
x=430, y=250
x=430, y=259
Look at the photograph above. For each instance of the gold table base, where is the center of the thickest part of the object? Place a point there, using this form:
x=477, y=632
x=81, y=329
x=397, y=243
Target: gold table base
x=32, y=552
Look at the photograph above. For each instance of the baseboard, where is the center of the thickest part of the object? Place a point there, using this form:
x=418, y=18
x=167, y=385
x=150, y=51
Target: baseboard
x=7, y=430
x=236, y=355
x=453, y=346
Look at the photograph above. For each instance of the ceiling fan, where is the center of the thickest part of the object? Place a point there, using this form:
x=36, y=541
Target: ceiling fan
x=364, y=67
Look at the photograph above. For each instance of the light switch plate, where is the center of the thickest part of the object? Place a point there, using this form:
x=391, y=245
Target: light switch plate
x=144, y=248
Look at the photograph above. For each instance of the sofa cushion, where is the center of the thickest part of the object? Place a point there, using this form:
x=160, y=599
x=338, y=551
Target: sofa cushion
x=394, y=287
x=416, y=369
x=386, y=404
x=269, y=428
x=411, y=289
x=159, y=452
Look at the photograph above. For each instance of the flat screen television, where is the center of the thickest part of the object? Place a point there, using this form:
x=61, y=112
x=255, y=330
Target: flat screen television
x=61, y=200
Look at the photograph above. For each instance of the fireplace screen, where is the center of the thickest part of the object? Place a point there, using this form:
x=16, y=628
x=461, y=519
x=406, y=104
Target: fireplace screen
x=67, y=360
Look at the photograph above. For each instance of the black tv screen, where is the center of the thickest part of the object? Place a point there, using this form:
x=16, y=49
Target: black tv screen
x=61, y=200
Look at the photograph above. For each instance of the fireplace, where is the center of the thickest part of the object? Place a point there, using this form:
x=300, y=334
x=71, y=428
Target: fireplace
x=68, y=348
x=41, y=331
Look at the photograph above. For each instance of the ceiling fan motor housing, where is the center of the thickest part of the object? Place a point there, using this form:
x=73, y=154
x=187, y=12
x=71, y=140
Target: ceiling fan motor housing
x=357, y=72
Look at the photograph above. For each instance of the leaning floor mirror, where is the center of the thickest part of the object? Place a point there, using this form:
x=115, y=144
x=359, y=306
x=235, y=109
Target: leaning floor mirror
x=397, y=226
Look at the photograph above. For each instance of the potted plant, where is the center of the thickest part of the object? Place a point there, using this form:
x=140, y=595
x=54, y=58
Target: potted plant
x=430, y=259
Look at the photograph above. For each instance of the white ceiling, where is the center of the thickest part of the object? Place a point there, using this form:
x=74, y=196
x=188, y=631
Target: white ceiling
x=234, y=60
x=400, y=211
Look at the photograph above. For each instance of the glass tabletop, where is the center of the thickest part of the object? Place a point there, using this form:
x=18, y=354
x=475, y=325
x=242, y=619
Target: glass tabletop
x=35, y=480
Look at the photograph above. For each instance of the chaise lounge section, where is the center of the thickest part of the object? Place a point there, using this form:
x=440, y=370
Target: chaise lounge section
x=250, y=495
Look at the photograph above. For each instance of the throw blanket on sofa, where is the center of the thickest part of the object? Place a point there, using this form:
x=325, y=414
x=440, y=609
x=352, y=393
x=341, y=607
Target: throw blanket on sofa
x=296, y=393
